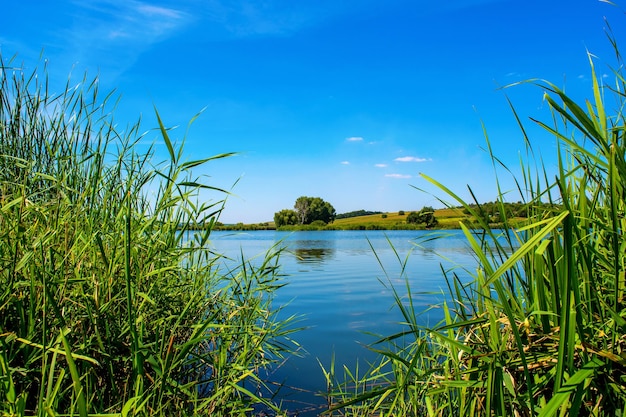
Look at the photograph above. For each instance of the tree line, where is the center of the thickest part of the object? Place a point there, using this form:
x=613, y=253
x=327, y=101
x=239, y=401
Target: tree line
x=356, y=213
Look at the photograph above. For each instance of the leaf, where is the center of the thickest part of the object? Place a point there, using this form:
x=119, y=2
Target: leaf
x=202, y=186
x=192, y=164
x=569, y=387
x=531, y=243
x=165, y=136
x=79, y=391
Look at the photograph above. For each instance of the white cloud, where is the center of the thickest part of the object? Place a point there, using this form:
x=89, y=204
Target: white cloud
x=345, y=162
x=412, y=159
x=354, y=139
x=381, y=165
x=244, y=18
x=401, y=176
x=111, y=35
x=143, y=22
x=148, y=9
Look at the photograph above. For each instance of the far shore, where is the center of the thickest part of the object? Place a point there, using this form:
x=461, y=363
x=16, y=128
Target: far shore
x=447, y=218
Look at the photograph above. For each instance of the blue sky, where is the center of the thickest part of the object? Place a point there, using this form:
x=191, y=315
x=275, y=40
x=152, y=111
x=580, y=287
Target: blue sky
x=344, y=100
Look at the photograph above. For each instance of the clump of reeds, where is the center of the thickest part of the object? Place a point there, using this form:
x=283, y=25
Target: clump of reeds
x=109, y=305
x=540, y=329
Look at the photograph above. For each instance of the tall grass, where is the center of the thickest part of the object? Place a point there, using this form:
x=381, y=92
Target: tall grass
x=109, y=305
x=540, y=329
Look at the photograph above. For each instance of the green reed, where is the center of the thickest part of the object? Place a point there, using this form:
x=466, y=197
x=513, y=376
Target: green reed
x=109, y=304
x=540, y=328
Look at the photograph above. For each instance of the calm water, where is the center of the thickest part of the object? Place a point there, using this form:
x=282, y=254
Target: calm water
x=339, y=287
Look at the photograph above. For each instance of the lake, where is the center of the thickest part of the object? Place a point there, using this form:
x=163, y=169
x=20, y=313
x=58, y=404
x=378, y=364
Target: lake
x=339, y=281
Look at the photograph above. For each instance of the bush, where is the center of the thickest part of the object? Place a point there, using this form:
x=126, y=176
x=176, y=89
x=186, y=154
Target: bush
x=285, y=217
x=425, y=216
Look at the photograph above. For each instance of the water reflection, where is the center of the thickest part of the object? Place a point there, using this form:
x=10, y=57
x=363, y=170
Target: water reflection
x=313, y=255
x=312, y=251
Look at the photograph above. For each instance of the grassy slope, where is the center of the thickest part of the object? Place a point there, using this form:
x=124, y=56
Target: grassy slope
x=447, y=218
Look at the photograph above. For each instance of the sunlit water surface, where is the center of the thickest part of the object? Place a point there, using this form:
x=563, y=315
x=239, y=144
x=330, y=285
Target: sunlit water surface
x=340, y=283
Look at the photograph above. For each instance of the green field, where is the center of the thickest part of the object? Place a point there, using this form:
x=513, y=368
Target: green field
x=448, y=218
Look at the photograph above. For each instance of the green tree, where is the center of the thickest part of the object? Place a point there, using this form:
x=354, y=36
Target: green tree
x=413, y=217
x=310, y=209
x=285, y=217
x=303, y=209
x=426, y=215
